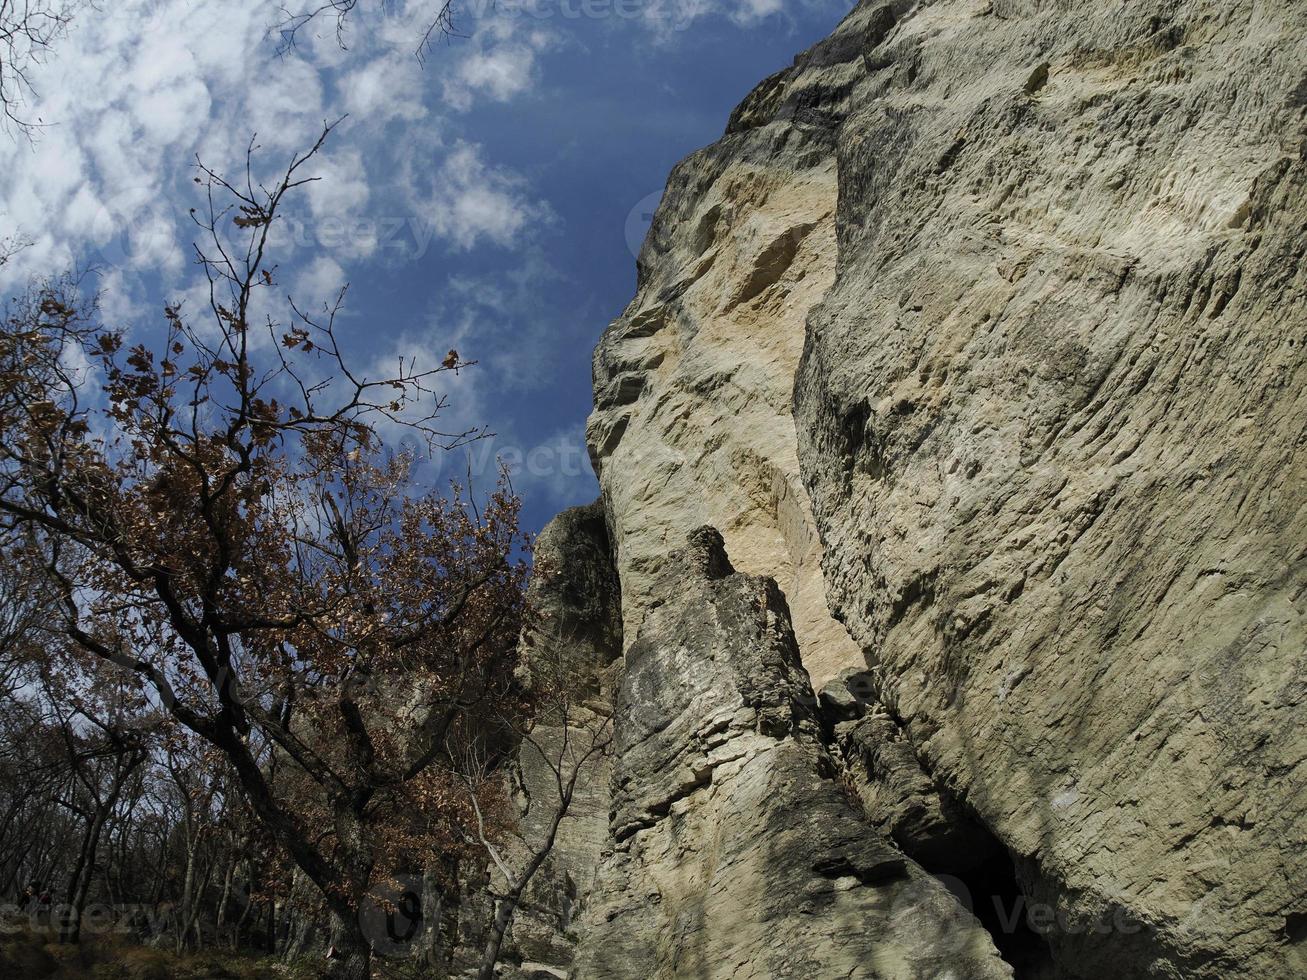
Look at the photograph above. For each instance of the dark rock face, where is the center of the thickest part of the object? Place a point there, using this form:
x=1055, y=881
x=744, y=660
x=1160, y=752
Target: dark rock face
x=576, y=594
x=898, y=796
x=575, y=639
x=733, y=852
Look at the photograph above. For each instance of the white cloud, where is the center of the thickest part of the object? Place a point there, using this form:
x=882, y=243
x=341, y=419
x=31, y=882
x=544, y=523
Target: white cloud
x=466, y=200
x=496, y=320
x=385, y=89
x=748, y=11
x=499, y=62
x=556, y=469
x=666, y=18
x=499, y=73
x=319, y=282
x=140, y=89
x=339, y=204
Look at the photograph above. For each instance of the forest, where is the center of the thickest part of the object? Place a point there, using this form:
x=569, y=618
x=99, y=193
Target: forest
x=261, y=701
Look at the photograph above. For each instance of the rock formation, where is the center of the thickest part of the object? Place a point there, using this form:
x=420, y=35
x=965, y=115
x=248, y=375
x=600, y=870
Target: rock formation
x=574, y=641
x=731, y=855
x=981, y=340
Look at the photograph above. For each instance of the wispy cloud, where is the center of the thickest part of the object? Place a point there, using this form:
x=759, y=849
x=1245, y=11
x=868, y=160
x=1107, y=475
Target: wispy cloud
x=139, y=90
x=500, y=61
x=669, y=17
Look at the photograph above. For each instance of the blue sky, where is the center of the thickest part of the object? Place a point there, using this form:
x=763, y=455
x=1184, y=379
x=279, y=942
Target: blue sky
x=488, y=200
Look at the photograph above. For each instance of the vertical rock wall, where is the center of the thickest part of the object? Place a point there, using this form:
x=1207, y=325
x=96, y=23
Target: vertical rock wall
x=693, y=384
x=1052, y=417
x=733, y=852
x=980, y=339
x=574, y=641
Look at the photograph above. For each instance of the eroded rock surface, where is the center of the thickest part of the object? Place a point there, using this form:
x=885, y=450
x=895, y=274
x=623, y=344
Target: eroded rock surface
x=574, y=640
x=1052, y=416
x=982, y=335
x=733, y=853
x=693, y=384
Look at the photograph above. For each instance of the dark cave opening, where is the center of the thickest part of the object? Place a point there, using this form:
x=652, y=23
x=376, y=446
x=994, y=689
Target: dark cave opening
x=936, y=827
x=990, y=888
x=1295, y=928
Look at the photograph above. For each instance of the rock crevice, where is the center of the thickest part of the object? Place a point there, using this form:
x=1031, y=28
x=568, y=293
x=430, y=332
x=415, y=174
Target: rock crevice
x=732, y=850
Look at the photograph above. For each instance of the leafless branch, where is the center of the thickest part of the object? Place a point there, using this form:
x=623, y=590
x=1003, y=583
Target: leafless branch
x=28, y=30
x=437, y=24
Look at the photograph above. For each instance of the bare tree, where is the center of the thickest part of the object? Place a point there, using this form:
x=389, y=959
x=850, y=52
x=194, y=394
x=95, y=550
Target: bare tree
x=439, y=22
x=239, y=547
x=28, y=30
x=103, y=763
x=11, y=245
x=557, y=746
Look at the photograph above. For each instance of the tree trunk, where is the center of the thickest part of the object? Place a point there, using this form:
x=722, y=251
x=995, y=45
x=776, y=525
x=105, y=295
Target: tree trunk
x=248, y=893
x=196, y=907
x=430, y=954
x=70, y=930
x=506, y=906
x=350, y=954
x=159, y=878
x=504, y=910
x=224, y=897
x=297, y=936
x=188, y=887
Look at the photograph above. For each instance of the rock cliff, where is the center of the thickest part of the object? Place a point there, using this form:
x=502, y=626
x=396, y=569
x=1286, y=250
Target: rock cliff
x=980, y=339
x=733, y=851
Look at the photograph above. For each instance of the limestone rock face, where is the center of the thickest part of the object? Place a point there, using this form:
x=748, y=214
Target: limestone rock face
x=693, y=384
x=731, y=855
x=1052, y=417
x=982, y=334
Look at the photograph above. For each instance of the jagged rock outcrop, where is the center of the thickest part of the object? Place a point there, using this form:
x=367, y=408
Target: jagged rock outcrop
x=898, y=796
x=983, y=333
x=573, y=643
x=693, y=385
x=576, y=601
x=731, y=855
